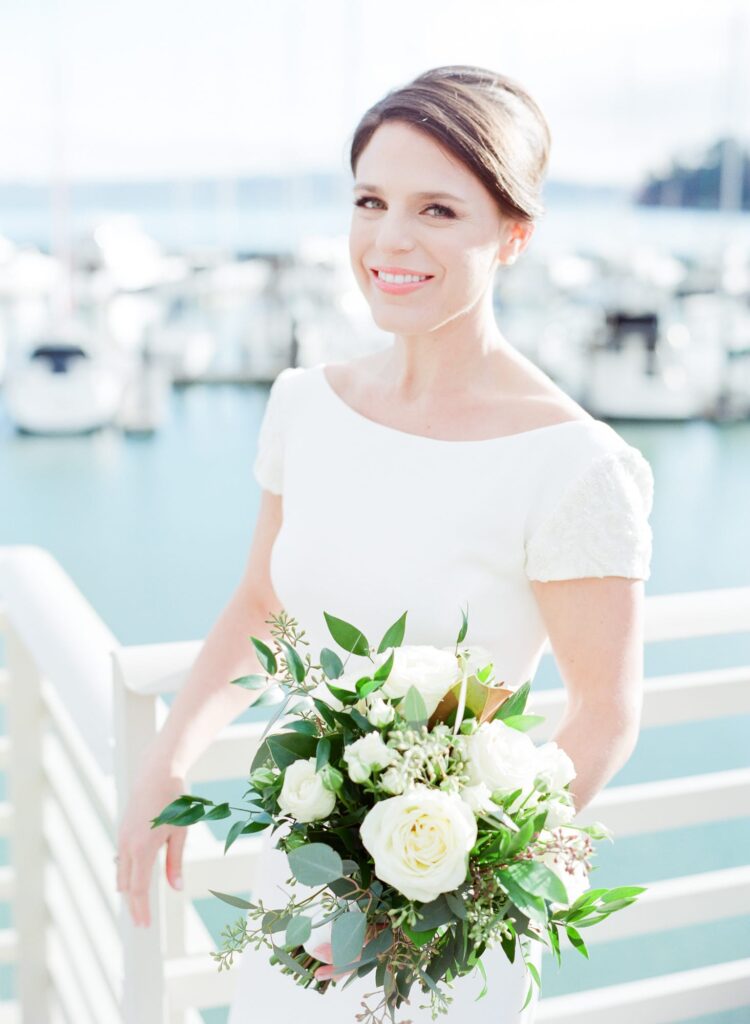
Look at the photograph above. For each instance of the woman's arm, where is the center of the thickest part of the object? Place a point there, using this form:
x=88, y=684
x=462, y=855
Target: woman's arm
x=595, y=628
x=205, y=703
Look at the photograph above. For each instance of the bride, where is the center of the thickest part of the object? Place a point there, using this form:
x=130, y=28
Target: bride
x=445, y=470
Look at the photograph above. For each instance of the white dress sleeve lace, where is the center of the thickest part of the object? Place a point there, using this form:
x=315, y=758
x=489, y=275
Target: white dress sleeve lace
x=269, y=459
x=599, y=526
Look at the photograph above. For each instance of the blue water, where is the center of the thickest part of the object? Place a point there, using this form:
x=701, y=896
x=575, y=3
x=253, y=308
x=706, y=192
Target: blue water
x=155, y=532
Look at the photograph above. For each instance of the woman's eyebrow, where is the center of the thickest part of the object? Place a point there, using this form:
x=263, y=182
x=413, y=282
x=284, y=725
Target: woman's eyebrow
x=418, y=195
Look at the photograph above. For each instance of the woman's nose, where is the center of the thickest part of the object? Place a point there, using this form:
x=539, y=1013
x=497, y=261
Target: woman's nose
x=394, y=234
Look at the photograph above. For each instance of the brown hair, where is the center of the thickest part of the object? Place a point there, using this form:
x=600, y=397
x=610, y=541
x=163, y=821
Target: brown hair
x=485, y=119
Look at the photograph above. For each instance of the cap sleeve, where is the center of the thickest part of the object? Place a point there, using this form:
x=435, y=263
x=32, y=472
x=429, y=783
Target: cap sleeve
x=269, y=458
x=599, y=526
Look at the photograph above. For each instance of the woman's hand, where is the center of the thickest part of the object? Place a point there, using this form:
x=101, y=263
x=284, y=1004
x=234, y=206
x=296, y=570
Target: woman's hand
x=138, y=843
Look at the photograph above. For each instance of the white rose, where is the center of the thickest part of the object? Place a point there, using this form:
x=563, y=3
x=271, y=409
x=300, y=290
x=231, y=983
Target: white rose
x=303, y=794
x=430, y=670
x=502, y=757
x=379, y=712
x=554, y=766
x=571, y=872
x=420, y=841
x=559, y=812
x=479, y=798
x=367, y=753
x=391, y=781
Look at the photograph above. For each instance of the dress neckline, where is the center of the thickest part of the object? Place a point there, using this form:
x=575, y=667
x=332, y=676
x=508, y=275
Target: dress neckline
x=366, y=421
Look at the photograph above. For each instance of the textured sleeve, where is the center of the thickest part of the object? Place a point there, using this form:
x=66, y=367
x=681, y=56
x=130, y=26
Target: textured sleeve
x=269, y=457
x=600, y=525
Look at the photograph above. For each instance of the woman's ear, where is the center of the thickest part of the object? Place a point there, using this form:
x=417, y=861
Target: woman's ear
x=517, y=238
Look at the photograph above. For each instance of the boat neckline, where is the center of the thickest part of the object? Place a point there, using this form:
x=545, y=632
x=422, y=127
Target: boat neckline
x=328, y=387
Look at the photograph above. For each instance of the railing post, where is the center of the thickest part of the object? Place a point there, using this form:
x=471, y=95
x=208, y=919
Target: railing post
x=143, y=999
x=26, y=789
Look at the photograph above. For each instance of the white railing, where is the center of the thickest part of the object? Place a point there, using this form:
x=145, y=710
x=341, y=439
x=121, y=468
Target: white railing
x=81, y=708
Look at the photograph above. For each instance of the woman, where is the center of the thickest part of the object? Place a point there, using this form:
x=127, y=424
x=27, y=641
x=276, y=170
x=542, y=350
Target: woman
x=443, y=471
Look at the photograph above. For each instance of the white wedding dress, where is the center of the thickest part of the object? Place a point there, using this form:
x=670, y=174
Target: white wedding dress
x=377, y=521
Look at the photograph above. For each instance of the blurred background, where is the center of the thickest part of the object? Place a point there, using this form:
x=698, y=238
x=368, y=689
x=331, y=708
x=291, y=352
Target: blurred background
x=174, y=207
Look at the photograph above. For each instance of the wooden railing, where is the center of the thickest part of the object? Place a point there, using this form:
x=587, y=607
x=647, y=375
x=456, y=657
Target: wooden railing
x=82, y=708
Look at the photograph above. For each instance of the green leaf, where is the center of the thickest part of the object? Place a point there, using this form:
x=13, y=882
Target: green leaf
x=220, y=811
x=188, y=816
x=291, y=962
x=413, y=707
x=330, y=662
x=298, y=930
x=538, y=879
x=383, y=671
x=364, y=723
x=345, y=696
x=394, y=635
x=348, y=936
x=232, y=834
x=265, y=656
x=251, y=682
x=315, y=864
x=367, y=686
x=294, y=663
x=325, y=712
x=456, y=904
x=285, y=748
x=515, y=704
x=233, y=901
x=529, y=904
x=347, y=636
x=622, y=892
x=577, y=941
x=522, y=722
x=433, y=914
x=419, y=938
x=274, y=696
x=323, y=753
x=303, y=725
x=464, y=625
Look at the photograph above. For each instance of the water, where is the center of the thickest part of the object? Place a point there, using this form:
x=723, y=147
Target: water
x=155, y=533
x=271, y=214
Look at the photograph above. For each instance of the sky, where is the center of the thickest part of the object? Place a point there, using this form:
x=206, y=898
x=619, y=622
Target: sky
x=95, y=89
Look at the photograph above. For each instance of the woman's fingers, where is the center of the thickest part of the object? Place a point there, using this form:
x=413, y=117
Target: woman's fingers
x=175, y=847
x=140, y=882
x=123, y=870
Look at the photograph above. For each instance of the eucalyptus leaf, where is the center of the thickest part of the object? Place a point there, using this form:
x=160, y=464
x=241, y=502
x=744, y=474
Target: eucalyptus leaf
x=330, y=662
x=413, y=707
x=464, y=625
x=348, y=936
x=298, y=930
x=233, y=901
x=315, y=864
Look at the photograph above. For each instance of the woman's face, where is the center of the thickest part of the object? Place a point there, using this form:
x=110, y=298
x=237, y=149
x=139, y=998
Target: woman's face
x=420, y=211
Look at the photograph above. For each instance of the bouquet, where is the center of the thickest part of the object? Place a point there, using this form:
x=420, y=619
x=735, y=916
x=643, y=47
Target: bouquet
x=422, y=821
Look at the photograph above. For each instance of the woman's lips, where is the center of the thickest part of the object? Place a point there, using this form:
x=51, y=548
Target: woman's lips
x=398, y=289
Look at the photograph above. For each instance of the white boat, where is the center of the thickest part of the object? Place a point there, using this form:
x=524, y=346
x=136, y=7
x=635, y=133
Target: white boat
x=62, y=386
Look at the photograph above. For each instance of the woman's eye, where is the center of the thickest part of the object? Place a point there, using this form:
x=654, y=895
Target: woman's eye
x=363, y=200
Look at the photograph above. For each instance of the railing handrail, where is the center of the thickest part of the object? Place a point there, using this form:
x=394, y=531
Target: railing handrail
x=50, y=616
